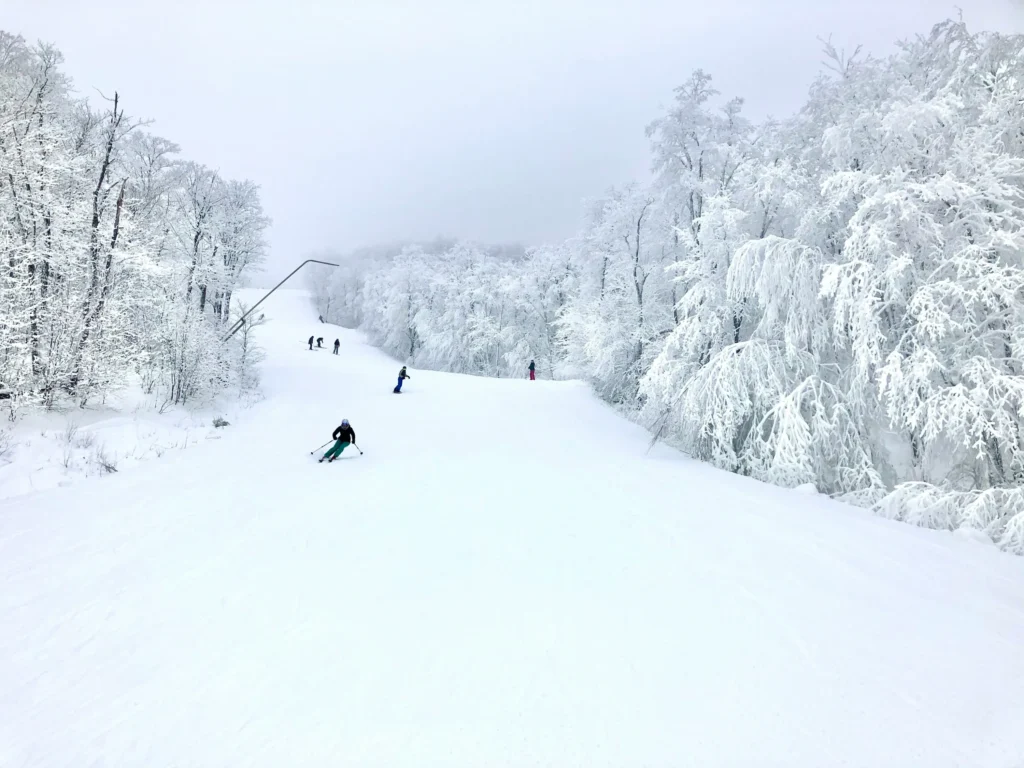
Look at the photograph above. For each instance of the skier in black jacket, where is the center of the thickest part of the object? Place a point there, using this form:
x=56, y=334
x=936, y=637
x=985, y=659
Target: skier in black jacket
x=343, y=435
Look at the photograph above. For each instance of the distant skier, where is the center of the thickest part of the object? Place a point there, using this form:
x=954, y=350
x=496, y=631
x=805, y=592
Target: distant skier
x=337, y=344
x=402, y=376
x=311, y=343
x=343, y=435
x=533, y=371
x=319, y=342
x=321, y=318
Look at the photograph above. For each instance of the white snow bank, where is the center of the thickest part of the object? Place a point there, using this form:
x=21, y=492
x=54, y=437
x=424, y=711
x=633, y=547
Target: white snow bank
x=45, y=450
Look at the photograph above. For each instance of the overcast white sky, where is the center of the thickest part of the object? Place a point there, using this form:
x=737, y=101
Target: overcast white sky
x=382, y=120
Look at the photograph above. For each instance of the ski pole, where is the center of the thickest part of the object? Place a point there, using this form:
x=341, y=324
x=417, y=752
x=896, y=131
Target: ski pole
x=358, y=449
x=317, y=449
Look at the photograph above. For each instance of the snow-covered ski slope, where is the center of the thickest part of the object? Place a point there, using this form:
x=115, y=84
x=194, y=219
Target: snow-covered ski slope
x=505, y=578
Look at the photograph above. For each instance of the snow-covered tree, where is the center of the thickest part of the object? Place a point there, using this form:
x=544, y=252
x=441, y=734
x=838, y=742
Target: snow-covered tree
x=836, y=298
x=118, y=259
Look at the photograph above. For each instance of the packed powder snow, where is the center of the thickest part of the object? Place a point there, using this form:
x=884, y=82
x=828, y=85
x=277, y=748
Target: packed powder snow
x=506, y=577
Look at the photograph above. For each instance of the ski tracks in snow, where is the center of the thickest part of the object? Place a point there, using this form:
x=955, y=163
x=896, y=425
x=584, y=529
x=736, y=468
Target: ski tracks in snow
x=507, y=577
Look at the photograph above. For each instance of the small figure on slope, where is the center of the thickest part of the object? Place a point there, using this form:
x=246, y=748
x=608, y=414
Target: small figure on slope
x=402, y=376
x=310, y=343
x=343, y=435
x=337, y=343
x=319, y=342
x=533, y=371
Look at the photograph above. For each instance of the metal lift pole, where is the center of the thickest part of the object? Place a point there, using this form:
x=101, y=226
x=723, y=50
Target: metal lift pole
x=237, y=325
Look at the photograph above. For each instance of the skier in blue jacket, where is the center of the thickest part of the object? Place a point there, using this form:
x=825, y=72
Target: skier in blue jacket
x=402, y=376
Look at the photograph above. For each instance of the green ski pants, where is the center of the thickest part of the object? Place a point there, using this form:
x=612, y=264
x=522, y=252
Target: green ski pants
x=335, y=450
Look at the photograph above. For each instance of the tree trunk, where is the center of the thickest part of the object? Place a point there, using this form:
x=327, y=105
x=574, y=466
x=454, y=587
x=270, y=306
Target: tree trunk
x=196, y=239
x=91, y=297
x=104, y=289
x=34, y=327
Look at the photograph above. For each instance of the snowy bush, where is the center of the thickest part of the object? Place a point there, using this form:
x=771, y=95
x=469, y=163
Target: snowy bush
x=998, y=513
x=103, y=461
x=67, y=438
x=6, y=443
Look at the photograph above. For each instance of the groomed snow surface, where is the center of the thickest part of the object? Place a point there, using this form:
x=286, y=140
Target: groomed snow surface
x=505, y=578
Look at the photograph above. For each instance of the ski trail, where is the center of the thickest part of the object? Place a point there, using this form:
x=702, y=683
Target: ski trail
x=506, y=577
